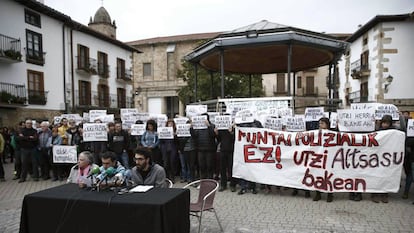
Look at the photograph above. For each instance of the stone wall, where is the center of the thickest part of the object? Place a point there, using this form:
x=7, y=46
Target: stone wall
x=11, y=117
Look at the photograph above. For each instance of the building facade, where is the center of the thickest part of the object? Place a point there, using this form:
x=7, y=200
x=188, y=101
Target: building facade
x=156, y=83
x=50, y=64
x=378, y=65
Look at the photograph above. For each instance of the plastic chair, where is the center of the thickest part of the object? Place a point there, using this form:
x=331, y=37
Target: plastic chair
x=168, y=183
x=207, y=191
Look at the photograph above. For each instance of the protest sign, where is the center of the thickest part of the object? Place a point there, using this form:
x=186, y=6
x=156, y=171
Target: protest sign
x=361, y=106
x=356, y=120
x=138, y=129
x=273, y=123
x=244, y=116
x=142, y=116
x=334, y=120
x=410, y=128
x=181, y=120
x=223, y=122
x=199, y=122
x=321, y=160
x=183, y=130
x=161, y=119
x=212, y=116
x=128, y=114
x=387, y=109
x=94, y=114
x=165, y=132
x=93, y=132
x=313, y=114
x=194, y=110
x=127, y=124
x=295, y=124
x=65, y=154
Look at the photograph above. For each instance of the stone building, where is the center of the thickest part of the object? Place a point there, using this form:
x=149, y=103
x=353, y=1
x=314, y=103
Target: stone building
x=155, y=71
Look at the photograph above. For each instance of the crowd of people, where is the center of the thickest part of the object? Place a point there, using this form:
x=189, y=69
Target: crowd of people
x=147, y=159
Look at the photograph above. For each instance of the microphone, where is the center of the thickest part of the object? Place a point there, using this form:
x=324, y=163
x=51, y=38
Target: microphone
x=119, y=177
x=94, y=171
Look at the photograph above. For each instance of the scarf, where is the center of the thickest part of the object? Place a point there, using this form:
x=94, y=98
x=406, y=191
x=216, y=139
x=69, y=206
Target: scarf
x=83, y=172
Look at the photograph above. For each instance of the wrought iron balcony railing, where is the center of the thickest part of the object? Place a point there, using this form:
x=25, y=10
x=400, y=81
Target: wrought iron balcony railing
x=12, y=93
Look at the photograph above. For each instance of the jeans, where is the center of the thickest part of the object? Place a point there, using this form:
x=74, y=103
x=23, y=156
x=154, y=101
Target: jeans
x=185, y=167
x=206, y=164
x=123, y=158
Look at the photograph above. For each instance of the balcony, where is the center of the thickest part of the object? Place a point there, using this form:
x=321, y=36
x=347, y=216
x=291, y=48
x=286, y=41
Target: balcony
x=87, y=66
x=355, y=97
x=123, y=74
x=93, y=102
x=12, y=94
x=10, y=49
x=37, y=97
x=103, y=70
x=359, y=70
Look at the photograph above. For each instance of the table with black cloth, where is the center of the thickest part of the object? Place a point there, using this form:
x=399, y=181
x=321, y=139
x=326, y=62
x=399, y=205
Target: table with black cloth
x=68, y=208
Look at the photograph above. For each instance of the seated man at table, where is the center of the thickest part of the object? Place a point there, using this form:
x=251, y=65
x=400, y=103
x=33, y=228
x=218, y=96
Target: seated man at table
x=145, y=172
x=112, y=173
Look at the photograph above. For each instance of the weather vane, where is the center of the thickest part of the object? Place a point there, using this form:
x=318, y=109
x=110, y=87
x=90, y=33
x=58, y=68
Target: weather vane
x=102, y=2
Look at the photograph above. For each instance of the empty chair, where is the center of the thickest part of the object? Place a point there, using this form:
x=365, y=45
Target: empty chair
x=207, y=191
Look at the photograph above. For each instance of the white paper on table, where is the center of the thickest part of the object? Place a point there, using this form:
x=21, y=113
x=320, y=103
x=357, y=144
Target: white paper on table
x=141, y=189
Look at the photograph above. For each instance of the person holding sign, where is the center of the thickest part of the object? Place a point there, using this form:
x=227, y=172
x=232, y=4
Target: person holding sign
x=169, y=152
x=409, y=153
x=118, y=143
x=205, y=141
x=150, y=141
x=57, y=169
x=324, y=123
x=82, y=173
x=226, y=139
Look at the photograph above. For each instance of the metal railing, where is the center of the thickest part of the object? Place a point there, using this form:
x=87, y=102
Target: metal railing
x=103, y=70
x=355, y=97
x=10, y=47
x=122, y=73
x=357, y=66
x=12, y=93
x=109, y=101
x=89, y=65
x=37, y=97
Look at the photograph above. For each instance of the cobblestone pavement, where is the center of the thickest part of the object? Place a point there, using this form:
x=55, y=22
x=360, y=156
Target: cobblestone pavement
x=277, y=212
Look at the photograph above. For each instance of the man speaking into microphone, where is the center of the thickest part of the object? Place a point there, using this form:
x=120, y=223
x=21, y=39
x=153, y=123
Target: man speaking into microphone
x=112, y=173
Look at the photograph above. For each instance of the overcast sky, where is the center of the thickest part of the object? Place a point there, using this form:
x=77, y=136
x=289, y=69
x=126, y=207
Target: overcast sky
x=143, y=19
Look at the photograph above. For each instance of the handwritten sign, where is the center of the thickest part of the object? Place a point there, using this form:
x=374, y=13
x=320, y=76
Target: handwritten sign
x=274, y=123
x=127, y=124
x=313, y=114
x=181, y=120
x=334, y=120
x=387, y=109
x=321, y=160
x=356, y=120
x=65, y=154
x=194, y=110
x=410, y=128
x=183, y=130
x=138, y=129
x=361, y=106
x=199, y=122
x=295, y=124
x=128, y=114
x=212, y=116
x=161, y=119
x=94, y=114
x=165, y=132
x=142, y=116
x=244, y=116
x=223, y=122
x=95, y=132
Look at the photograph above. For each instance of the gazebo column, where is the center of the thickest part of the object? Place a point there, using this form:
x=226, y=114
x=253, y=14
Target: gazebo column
x=289, y=68
x=294, y=92
x=222, y=72
x=195, y=81
x=250, y=85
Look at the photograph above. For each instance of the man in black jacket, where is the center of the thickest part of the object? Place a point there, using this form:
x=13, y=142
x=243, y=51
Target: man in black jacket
x=118, y=143
x=28, y=141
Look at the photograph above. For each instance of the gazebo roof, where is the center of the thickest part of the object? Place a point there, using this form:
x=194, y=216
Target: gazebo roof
x=262, y=48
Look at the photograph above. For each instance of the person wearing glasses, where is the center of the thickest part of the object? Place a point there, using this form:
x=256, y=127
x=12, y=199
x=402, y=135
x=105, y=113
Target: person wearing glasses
x=145, y=172
x=28, y=141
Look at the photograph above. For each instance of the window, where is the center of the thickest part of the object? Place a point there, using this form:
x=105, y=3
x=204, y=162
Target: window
x=120, y=68
x=365, y=40
x=35, y=84
x=34, y=51
x=121, y=96
x=147, y=69
x=364, y=92
x=299, y=82
x=280, y=79
x=103, y=96
x=32, y=18
x=310, y=85
x=365, y=60
x=103, y=68
x=83, y=57
x=84, y=93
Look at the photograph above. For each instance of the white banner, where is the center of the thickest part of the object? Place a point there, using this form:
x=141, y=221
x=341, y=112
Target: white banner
x=65, y=154
x=322, y=160
x=223, y=122
x=95, y=132
x=138, y=129
x=183, y=130
x=195, y=110
x=165, y=132
x=356, y=120
x=410, y=128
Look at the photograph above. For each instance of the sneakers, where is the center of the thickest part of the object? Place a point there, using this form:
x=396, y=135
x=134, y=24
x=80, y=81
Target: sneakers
x=241, y=192
x=222, y=188
x=405, y=195
x=233, y=189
